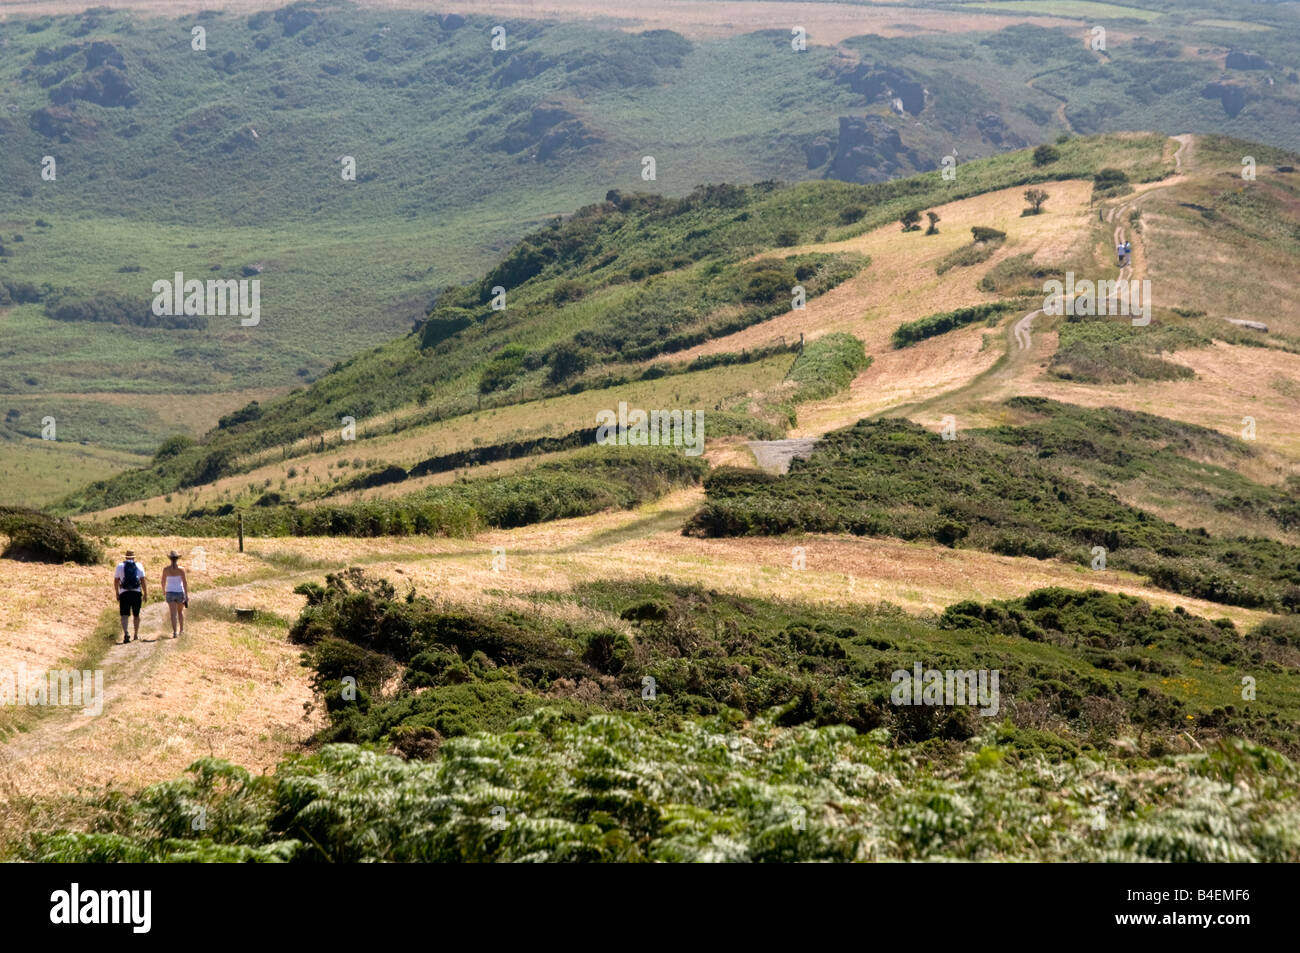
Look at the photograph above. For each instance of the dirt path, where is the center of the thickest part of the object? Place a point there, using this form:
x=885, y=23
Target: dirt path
x=1023, y=351
x=225, y=689
x=124, y=667
x=1061, y=102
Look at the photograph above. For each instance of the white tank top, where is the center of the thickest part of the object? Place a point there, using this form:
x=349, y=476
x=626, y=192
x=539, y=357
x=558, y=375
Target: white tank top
x=175, y=584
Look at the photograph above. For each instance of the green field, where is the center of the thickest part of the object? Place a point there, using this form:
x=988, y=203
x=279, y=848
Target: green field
x=1079, y=9
x=620, y=282
x=210, y=162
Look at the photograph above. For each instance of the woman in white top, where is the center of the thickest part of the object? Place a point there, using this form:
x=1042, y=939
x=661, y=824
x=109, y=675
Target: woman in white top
x=176, y=590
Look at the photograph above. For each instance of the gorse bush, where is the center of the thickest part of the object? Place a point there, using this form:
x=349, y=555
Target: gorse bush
x=985, y=243
x=587, y=482
x=117, y=309
x=37, y=537
x=828, y=365
x=1017, y=275
x=1086, y=663
x=892, y=478
x=1103, y=350
x=910, y=332
x=825, y=367
x=769, y=737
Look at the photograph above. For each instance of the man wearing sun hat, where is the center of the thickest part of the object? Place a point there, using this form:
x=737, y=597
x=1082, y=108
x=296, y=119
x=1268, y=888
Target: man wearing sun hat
x=131, y=590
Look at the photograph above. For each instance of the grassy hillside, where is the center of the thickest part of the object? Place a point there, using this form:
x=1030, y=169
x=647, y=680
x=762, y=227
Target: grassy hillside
x=623, y=281
x=223, y=161
x=464, y=633
x=767, y=734
x=1013, y=491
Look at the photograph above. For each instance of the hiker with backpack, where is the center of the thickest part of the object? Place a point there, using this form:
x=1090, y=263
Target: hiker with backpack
x=1128, y=253
x=176, y=590
x=131, y=590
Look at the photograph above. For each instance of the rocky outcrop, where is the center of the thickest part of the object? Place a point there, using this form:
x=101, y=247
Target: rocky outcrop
x=817, y=152
x=882, y=83
x=1252, y=325
x=294, y=20
x=61, y=123
x=1232, y=97
x=868, y=149
x=105, y=86
x=44, y=57
x=519, y=67
x=92, y=72
x=1239, y=59
x=996, y=131
x=101, y=53
x=548, y=130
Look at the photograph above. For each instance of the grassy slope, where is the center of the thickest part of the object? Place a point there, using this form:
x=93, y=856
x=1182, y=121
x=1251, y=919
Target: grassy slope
x=832, y=772
x=179, y=180
x=711, y=232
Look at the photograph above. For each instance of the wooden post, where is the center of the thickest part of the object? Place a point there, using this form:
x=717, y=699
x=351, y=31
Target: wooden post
x=241, y=532
x=800, y=342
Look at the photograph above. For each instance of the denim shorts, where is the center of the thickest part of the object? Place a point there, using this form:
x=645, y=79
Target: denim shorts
x=175, y=597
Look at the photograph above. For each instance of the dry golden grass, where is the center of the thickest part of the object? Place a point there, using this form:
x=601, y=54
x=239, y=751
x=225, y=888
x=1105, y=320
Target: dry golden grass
x=553, y=416
x=826, y=23
x=901, y=285
x=840, y=569
x=1232, y=382
x=1196, y=264
x=729, y=452
x=228, y=690
x=236, y=690
x=231, y=690
x=49, y=611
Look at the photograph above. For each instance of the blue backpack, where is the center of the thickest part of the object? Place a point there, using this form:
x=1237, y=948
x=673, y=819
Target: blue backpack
x=130, y=575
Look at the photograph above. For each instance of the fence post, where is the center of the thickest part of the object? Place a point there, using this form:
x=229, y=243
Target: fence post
x=241, y=532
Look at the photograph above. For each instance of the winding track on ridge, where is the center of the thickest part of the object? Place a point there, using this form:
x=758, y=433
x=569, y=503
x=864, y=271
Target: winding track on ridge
x=1114, y=216
x=125, y=666
x=776, y=455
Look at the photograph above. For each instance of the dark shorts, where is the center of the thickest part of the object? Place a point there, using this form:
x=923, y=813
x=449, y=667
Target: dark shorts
x=176, y=597
x=129, y=603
